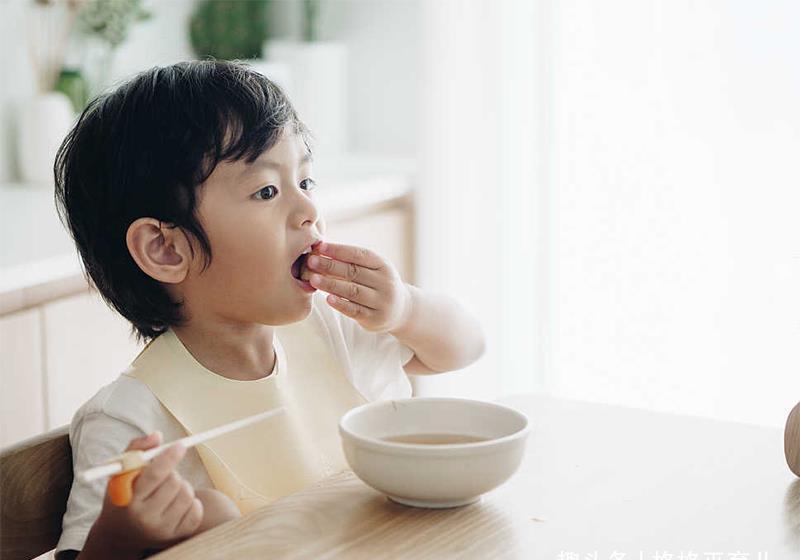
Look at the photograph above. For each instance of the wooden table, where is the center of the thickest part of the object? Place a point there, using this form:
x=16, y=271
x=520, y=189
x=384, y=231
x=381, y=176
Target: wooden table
x=596, y=480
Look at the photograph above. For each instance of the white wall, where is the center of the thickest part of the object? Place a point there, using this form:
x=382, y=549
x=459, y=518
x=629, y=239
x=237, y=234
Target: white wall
x=18, y=79
x=159, y=41
x=383, y=42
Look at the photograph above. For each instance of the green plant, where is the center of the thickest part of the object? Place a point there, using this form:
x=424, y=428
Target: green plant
x=110, y=20
x=310, y=14
x=229, y=30
x=72, y=84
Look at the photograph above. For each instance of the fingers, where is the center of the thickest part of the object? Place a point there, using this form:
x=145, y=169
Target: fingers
x=157, y=471
x=145, y=442
x=354, y=310
x=368, y=297
x=191, y=519
x=350, y=253
x=346, y=271
x=181, y=504
x=164, y=508
x=169, y=489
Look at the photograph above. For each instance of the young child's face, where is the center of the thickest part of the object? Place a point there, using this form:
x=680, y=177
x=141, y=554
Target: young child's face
x=259, y=218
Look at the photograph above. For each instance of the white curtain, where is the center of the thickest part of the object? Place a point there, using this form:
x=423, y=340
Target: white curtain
x=613, y=188
x=479, y=185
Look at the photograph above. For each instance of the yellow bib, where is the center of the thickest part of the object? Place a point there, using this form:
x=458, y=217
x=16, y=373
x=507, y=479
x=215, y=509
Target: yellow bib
x=263, y=462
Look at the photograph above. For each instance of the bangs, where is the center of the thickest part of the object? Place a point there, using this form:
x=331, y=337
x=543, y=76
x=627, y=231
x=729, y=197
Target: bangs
x=249, y=120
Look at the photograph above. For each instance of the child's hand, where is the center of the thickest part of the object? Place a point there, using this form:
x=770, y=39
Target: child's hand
x=163, y=509
x=375, y=294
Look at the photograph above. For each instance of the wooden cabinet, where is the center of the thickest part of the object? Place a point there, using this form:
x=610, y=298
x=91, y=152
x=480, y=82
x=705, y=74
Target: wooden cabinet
x=54, y=358
x=88, y=346
x=21, y=378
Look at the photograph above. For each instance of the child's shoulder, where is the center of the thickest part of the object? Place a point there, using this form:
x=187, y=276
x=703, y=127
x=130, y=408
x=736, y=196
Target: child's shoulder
x=125, y=399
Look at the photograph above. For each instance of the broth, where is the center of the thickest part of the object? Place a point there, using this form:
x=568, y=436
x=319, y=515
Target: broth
x=434, y=439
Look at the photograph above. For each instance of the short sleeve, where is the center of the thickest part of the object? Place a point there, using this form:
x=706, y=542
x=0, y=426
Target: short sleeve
x=102, y=428
x=94, y=438
x=373, y=349
x=375, y=360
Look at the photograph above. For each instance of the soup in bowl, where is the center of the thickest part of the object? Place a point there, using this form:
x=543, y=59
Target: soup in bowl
x=434, y=452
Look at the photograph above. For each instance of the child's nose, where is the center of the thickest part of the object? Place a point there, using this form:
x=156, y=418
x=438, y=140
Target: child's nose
x=307, y=212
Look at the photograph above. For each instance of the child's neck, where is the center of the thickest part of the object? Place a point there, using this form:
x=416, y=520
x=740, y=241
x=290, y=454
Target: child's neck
x=232, y=351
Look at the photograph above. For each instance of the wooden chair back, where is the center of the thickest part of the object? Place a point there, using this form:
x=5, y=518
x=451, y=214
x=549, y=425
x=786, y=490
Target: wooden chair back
x=35, y=479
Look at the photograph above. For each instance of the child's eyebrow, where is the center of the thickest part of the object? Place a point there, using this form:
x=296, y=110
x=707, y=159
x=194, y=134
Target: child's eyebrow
x=274, y=164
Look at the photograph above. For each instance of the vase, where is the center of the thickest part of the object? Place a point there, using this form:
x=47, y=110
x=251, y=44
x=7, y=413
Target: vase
x=318, y=88
x=43, y=123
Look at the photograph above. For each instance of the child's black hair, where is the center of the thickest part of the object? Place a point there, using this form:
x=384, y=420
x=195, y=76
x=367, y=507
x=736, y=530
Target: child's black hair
x=142, y=150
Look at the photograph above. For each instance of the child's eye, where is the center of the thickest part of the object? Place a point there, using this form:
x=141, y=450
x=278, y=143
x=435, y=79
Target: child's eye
x=308, y=184
x=266, y=193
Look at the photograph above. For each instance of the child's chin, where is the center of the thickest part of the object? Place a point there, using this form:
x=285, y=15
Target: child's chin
x=303, y=308
x=291, y=318
x=289, y=310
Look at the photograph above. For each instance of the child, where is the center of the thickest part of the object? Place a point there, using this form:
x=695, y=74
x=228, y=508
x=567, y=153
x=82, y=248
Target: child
x=189, y=193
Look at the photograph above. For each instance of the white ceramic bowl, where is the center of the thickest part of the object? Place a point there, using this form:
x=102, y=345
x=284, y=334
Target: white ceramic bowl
x=434, y=475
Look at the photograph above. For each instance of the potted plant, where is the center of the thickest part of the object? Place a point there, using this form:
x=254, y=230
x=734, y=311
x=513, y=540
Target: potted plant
x=235, y=30
x=229, y=30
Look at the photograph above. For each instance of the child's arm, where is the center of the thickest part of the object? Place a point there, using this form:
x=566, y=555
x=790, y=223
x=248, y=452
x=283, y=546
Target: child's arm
x=442, y=334
x=163, y=511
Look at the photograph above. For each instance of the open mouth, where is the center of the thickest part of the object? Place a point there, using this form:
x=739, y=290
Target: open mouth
x=298, y=266
x=299, y=269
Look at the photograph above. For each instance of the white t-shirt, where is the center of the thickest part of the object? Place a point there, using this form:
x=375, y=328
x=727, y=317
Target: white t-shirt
x=126, y=409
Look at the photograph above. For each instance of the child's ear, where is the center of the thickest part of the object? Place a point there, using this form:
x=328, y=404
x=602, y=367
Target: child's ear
x=161, y=250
